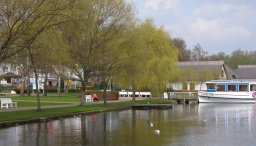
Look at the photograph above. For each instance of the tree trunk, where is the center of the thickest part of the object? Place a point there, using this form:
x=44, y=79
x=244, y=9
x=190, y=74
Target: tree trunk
x=105, y=85
x=28, y=86
x=22, y=87
x=59, y=86
x=28, y=78
x=83, y=93
x=45, y=84
x=133, y=93
x=36, y=79
x=37, y=91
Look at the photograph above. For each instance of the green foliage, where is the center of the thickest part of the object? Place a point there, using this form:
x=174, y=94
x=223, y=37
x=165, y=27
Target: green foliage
x=238, y=57
x=151, y=59
x=184, y=53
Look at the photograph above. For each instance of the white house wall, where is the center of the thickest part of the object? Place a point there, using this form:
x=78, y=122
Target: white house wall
x=176, y=86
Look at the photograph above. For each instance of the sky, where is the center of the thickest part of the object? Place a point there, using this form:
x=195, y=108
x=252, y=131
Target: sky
x=217, y=25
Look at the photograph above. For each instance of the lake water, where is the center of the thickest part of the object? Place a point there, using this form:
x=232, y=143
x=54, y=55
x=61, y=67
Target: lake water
x=199, y=124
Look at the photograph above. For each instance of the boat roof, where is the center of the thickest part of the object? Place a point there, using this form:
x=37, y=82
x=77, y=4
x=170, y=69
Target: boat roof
x=231, y=81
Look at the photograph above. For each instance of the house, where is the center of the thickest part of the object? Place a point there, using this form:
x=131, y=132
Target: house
x=9, y=74
x=192, y=74
x=246, y=72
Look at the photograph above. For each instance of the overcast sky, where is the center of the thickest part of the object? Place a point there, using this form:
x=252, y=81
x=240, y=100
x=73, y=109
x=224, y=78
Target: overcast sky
x=217, y=25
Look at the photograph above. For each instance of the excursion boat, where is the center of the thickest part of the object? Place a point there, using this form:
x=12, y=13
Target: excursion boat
x=228, y=92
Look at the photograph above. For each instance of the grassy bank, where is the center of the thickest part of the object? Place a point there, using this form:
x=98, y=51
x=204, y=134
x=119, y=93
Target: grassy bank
x=25, y=115
x=51, y=99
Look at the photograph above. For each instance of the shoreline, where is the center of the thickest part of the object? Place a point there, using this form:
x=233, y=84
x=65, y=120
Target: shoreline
x=15, y=118
x=8, y=124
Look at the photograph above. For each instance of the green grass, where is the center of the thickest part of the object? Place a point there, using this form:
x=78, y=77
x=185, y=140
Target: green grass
x=23, y=115
x=52, y=99
x=67, y=97
x=47, y=98
x=34, y=104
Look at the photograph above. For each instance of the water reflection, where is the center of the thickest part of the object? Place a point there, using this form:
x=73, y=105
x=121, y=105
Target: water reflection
x=203, y=124
x=223, y=124
x=228, y=114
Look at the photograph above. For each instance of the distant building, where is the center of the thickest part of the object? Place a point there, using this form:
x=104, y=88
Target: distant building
x=194, y=73
x=246, y=72
x=9, y=74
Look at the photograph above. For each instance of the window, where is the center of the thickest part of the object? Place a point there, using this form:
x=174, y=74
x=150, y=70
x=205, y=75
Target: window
x=243, y=88
x=210, y=86
x=220, y=87
x=253, y=87
x=231, y=87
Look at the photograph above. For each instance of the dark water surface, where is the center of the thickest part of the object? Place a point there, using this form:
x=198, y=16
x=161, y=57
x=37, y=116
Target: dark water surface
x=203, y=124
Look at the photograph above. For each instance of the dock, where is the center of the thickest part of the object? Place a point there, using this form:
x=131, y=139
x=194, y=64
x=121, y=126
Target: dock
x=182, y=97
x=152, y=106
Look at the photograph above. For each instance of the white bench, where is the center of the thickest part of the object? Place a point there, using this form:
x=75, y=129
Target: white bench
x=88, y=98
x=145, y=94
x=138, y=94
x=122, y=94
x=7, y=103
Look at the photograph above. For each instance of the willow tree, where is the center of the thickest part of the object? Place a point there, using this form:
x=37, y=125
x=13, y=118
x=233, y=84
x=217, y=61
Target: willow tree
x=96, y=24
x=152, y=59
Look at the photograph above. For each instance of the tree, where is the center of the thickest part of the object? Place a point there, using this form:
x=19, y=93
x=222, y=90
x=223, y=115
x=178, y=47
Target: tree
x=97, y=24
x=23, y=22
x=198, y=53
x=180, y=44
x=152, y=60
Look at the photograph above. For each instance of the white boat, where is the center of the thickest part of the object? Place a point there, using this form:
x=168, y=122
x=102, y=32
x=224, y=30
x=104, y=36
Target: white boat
x=228, y=92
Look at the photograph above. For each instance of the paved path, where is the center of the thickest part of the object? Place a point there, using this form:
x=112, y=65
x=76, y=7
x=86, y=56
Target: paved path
x=69, y=104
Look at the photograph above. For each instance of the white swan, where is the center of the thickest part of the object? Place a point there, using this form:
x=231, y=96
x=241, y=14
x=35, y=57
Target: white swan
x=157, y=131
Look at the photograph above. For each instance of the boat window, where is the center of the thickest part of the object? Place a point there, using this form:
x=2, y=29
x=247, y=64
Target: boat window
x=220, y=87
x=253, y=87
x=231, y=87
x=243, y=88
x=210, y=86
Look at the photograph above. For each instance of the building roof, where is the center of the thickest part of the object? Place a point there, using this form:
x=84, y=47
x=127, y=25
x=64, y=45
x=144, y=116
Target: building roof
x=246, y=71
x=215, y=66
x=231, y=74
x=10, y=74
x=201, y=63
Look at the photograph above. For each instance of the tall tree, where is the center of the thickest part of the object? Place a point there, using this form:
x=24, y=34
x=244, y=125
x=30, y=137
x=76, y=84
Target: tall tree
x=198, y=53
x=152, y=60
x=96, y=25
x=22, y=21
x=181, y=45
x=25, y=22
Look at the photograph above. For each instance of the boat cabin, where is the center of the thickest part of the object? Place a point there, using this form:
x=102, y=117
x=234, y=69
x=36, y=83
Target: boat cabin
x=230, y=86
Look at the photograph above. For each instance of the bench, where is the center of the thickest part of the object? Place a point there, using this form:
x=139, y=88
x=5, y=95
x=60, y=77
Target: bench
x=88, y=98
x=137, y=94
x=7, y=103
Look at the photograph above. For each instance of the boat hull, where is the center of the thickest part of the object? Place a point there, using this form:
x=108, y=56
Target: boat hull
x=208, y=99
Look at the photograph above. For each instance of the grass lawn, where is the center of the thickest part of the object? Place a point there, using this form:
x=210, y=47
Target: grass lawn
x=23, y=115
x=51, y=99
x=34, y=104
x=70, y=97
